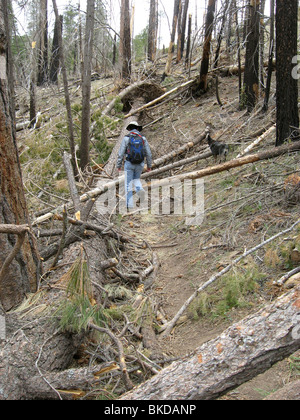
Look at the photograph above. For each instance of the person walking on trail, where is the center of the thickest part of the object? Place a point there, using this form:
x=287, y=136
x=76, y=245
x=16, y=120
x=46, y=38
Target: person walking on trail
x=135, y=148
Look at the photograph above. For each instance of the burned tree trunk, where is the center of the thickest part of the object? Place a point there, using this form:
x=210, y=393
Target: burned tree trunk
x=54, y=67
x=86, y=86
x=125, y=41
x=42, y=77
x=61, y=60
x=287, y=83
x=183, y=30
x=251, y=79
x=242, y=352
x=206, y=49
x=177, y=4
x=271, y=56
x=152, y=31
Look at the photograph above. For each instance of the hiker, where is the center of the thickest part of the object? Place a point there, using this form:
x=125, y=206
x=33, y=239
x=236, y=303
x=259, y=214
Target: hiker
x=136, y=148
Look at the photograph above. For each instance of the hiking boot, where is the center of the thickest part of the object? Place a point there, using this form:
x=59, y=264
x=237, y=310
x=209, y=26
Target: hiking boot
x=141, y=194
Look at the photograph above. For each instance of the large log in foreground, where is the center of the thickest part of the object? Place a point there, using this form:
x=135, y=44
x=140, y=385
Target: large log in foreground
x=243, y=351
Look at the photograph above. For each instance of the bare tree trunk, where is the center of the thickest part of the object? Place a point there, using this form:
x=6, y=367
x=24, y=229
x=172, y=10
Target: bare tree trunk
x=239, y=50
x=271, y=56
x=173, y=34
x=66, y=88
x=188, y=46
x=242, y=352
x=22, y=275
x=32, y=105
x=220, y=37
x=152, y=31
x=43, y=44
x=179, y=33
x=125, y=41
x=207, y=42
x=262, y=46
x=54, y=67
x=287, y=85
x=183, y=24
x=251, y=77
x=86, y=86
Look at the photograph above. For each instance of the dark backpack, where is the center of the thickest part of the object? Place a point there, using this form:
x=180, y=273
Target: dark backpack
x=135, y=151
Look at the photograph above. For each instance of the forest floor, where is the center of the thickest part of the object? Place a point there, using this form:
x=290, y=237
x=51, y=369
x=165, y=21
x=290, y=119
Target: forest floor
x=242, y=208
x=190, y=255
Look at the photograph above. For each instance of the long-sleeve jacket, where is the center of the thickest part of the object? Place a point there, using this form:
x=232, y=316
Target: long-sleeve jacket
x=124, y=148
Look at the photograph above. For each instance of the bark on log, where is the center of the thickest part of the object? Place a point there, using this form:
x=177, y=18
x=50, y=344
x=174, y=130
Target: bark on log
x=240, y=353
x=67, y=385
x=29, y=349
x=234, y=70
x=258, y=141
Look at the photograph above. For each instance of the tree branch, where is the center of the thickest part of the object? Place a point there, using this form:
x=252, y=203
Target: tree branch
x=16, y=230
x=167, y=328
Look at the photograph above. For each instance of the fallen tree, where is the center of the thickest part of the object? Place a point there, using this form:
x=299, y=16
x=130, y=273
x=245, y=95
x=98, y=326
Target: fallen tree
x=155, y=101
x=141, y=88
x=235, y=163
x=240, y=353
x=257, y=141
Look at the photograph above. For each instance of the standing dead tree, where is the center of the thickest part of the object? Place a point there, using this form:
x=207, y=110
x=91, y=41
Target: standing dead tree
x=271, y=56
x=152, y=31
x=207, y=42
x=286, y=83
x=86, y=86
x=42, y=77
x=251, y=77
x=61, y=56
x=177, y=4
x=125, y=41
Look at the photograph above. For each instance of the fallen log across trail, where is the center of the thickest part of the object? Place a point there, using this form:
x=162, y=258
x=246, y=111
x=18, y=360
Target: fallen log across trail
x=235, y=163
x=245, y=350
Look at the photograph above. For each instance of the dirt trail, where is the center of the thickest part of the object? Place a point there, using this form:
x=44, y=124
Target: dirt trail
x=179, y=274
x=190, y=255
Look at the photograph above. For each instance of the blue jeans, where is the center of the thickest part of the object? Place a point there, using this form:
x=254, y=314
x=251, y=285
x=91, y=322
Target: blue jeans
x=133, y=174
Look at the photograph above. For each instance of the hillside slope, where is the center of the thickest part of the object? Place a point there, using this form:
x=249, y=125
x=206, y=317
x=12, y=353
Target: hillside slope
x=243, y=207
